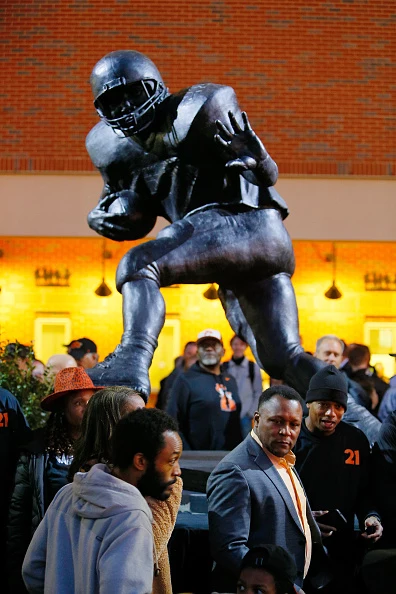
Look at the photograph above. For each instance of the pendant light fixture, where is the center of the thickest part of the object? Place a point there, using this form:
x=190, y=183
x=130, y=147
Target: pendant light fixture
x=211, y=293
x=104, y=290
x=333, y=292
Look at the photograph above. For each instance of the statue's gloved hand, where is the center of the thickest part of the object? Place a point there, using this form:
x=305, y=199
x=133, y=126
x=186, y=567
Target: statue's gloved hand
x=119, y=226
x=242, y=144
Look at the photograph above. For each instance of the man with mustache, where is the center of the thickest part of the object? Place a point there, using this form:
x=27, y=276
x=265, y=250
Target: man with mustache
x=205, y=401
x=255, y=496
x=333, y=461
x=96, y=535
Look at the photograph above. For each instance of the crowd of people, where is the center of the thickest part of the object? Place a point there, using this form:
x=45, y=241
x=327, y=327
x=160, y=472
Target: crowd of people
x=301, y=500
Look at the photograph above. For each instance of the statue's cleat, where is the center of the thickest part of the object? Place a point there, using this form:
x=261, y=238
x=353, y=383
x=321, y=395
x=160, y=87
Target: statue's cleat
x=123, y=367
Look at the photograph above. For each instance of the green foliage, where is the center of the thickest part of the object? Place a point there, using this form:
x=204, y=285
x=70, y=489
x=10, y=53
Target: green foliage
x=16, y=376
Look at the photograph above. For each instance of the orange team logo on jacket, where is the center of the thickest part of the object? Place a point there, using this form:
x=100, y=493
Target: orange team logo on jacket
x=227, y=403
x=3, y=419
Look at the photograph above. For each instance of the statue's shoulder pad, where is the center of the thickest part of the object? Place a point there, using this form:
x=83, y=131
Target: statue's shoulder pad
x=212, y=91
x=197, y=108
x=104, y=146
x=207, y=96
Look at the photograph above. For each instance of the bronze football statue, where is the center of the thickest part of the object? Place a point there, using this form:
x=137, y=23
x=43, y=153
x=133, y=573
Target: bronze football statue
x=192, y=158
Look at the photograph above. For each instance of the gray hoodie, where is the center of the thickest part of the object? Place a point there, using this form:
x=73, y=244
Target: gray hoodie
x=96, y=537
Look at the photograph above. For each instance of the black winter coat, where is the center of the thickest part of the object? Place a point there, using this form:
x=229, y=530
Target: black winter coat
x=28, y=504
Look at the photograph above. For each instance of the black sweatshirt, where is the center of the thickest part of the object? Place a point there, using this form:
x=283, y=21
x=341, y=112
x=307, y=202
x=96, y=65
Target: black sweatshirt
x=335, y=471
x=207, y=408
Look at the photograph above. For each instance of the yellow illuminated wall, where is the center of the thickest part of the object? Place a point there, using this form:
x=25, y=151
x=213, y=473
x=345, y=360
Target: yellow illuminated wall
x=99, y=318
x=344, y=317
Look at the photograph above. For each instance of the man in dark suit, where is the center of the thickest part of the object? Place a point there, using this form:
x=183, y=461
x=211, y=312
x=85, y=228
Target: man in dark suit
x=256, y=497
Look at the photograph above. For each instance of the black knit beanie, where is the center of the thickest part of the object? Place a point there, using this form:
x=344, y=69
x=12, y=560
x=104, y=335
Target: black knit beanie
x=328, y=384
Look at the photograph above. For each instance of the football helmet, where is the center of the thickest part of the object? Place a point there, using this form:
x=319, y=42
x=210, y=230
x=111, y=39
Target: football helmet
x=127, y=86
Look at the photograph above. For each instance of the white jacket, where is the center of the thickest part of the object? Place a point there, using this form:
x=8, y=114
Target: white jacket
x=96, y=537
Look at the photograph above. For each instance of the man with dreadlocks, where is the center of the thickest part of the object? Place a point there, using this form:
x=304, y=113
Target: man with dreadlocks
x=43, y=465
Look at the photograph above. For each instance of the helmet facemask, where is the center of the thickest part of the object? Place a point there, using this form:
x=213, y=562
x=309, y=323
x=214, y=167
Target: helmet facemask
x=130, y=108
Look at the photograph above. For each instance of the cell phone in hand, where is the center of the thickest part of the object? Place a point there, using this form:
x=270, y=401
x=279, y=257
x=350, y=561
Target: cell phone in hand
x=370, y=530
x=333, y=518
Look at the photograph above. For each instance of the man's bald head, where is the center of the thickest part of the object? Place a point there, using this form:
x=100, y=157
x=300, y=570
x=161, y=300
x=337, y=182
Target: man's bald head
x=58, y=362
x=329, y=349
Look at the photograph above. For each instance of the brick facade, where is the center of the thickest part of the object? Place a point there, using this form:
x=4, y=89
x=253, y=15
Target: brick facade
x=315, y=77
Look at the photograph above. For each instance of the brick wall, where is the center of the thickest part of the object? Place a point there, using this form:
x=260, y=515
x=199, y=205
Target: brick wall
x=316, y=77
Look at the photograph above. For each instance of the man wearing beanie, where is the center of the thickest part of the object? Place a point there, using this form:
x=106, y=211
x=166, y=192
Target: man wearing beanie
x=329, y=349
x=333, y=463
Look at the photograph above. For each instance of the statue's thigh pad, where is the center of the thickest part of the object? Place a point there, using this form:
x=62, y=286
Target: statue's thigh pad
x=213, y=246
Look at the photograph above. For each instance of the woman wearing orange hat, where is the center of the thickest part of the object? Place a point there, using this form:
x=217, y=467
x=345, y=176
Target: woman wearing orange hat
x=43, y=465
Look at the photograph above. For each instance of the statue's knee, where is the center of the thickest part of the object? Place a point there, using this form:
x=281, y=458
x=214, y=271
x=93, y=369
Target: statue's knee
x=128, y=272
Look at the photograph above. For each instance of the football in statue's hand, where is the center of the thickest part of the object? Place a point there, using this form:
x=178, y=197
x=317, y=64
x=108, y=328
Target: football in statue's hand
x=124, y=204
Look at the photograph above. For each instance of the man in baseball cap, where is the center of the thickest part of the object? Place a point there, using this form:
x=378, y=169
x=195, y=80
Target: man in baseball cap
x=333, y=461
x=209, y=333
x=205, y=401
x=84, y=351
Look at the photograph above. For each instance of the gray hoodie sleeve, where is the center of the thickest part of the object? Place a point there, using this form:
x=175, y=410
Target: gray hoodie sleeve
x=96, y=536
x=126, y=564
